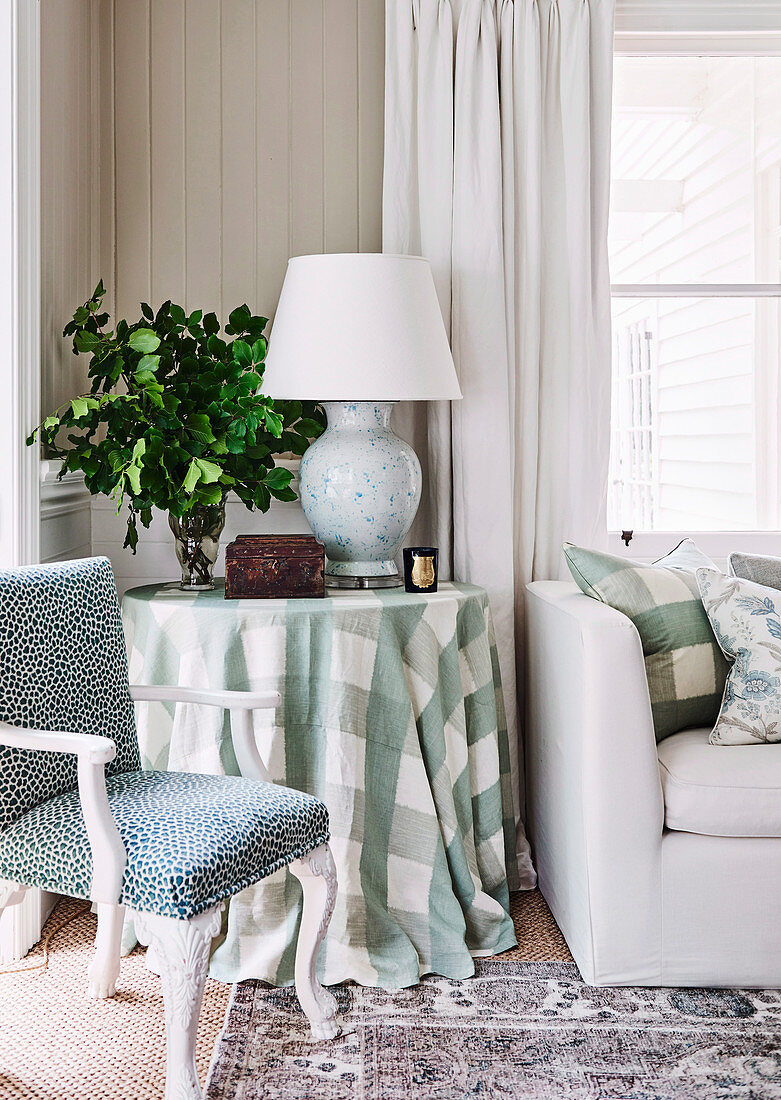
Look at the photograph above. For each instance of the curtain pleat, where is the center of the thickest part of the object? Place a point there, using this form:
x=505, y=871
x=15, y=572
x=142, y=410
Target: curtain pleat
x=418, y=203
x=497, y=169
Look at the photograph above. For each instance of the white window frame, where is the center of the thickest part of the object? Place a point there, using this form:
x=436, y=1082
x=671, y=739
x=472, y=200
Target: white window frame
x=20, y=369
x=696, y=28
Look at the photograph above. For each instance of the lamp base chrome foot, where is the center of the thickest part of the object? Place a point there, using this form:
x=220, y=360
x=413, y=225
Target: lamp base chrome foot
x=332, y=581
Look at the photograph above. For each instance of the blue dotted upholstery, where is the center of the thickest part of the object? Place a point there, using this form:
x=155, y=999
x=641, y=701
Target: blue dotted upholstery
x=191, y=840
x=63, y=666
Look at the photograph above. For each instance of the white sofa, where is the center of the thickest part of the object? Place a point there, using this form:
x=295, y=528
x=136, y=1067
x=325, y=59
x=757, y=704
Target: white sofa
x=661, y=864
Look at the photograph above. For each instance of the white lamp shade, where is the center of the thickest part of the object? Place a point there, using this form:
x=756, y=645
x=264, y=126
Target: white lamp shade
x=359, y=327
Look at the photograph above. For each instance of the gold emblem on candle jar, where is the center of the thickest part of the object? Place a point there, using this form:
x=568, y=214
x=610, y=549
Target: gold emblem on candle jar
x=423, y=571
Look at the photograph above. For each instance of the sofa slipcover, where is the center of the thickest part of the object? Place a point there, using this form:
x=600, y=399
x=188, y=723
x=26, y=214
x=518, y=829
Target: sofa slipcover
x=719, y=790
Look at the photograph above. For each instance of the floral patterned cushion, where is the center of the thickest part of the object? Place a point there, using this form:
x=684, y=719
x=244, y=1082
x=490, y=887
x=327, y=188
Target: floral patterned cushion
x=63, y=666
x=192, y=840
x=746, y=619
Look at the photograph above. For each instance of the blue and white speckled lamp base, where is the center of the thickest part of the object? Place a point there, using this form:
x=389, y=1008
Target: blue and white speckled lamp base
x=360, y=489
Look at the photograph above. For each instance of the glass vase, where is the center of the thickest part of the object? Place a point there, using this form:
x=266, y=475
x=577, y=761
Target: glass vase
x=197, y=537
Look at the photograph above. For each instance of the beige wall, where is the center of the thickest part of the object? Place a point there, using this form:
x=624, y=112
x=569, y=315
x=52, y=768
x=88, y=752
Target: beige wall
x=189, y=147
x=75, y=239
x=245, y=131
x=70, y=165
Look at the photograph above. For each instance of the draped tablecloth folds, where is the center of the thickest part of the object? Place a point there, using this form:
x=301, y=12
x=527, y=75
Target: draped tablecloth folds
x=392, y=714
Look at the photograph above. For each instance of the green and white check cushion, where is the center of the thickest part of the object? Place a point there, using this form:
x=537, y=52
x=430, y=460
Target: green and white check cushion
x=191, y=840
x=685, y=667
x=746, y=618
x=393, y=716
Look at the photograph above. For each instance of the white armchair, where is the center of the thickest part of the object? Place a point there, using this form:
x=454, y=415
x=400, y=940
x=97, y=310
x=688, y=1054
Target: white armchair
x=641, y=902
x=171, y=847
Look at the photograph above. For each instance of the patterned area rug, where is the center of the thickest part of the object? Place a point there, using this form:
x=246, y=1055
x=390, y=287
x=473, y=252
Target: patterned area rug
x=518, y=1029
x=57, y=1044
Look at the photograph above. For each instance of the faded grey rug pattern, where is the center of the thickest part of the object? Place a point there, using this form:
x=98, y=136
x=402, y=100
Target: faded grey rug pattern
x=515, y=1030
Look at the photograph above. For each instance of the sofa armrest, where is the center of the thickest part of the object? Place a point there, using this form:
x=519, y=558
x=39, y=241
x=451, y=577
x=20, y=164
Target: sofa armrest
x=596, y=808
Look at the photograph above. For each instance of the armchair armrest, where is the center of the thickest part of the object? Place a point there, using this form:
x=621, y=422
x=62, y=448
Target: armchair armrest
x=92, y=753
x=228, y=700
x=239, y=703
x=96, y=750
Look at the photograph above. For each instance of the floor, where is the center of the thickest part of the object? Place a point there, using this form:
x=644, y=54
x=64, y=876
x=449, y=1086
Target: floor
x=115, y=1050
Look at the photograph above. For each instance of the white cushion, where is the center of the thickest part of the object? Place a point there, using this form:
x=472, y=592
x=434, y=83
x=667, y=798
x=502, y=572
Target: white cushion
x=720, y=790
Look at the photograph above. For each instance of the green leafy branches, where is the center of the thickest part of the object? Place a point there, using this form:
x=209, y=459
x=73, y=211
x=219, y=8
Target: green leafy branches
x=175, y=416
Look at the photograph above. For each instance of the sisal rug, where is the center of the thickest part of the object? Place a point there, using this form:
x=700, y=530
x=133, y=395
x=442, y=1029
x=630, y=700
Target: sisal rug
x=517, y=1030
x=57, y=1044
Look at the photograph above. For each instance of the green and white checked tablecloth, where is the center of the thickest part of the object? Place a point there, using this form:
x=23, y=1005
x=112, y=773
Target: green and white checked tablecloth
x=392, y=714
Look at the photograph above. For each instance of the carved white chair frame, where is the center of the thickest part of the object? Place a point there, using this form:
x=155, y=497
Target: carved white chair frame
x=181, y=947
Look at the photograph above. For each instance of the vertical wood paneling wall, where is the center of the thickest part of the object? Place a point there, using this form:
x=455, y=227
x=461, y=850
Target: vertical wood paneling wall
x=245, y=131
x=70, y=166
x=189, y=148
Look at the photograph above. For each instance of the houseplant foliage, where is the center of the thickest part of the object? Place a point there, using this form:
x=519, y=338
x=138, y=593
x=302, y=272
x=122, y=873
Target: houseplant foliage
x=175, y=417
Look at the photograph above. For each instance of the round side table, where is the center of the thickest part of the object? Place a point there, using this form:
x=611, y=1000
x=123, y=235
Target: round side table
x=392, y=714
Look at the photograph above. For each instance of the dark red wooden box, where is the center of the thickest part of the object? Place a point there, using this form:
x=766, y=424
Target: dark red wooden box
x=274, y=567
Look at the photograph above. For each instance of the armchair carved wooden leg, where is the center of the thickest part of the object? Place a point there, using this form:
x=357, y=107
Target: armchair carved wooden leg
x=317, y=875
x=104, y=971
x=182, y=952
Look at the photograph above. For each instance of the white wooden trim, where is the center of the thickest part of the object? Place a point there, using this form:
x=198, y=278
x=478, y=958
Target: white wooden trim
x=712, y=27
x=697, y=17
x=715, y=27
x=61, y=496
x=20, y=926
x=66, y=515
x=20, y=371
x=713, y=45
x=648, y=546
x=19, y=277
x=695, y=290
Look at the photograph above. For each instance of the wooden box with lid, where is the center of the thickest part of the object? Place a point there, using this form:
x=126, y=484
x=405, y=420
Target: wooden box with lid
x=259, y=567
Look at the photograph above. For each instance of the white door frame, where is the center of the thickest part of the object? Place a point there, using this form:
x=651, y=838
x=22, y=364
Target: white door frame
x=20, y=367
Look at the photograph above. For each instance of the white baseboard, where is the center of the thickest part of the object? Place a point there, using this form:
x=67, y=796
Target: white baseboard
x=20, y=926
x=66, y=515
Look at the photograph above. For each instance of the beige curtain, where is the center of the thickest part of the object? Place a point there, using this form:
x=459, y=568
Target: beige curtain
x=497, y=150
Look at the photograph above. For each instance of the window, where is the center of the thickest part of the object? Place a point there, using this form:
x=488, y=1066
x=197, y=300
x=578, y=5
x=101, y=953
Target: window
x=695, y=253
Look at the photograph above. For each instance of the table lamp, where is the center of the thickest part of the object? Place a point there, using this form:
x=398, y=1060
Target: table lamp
x=357, y=333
